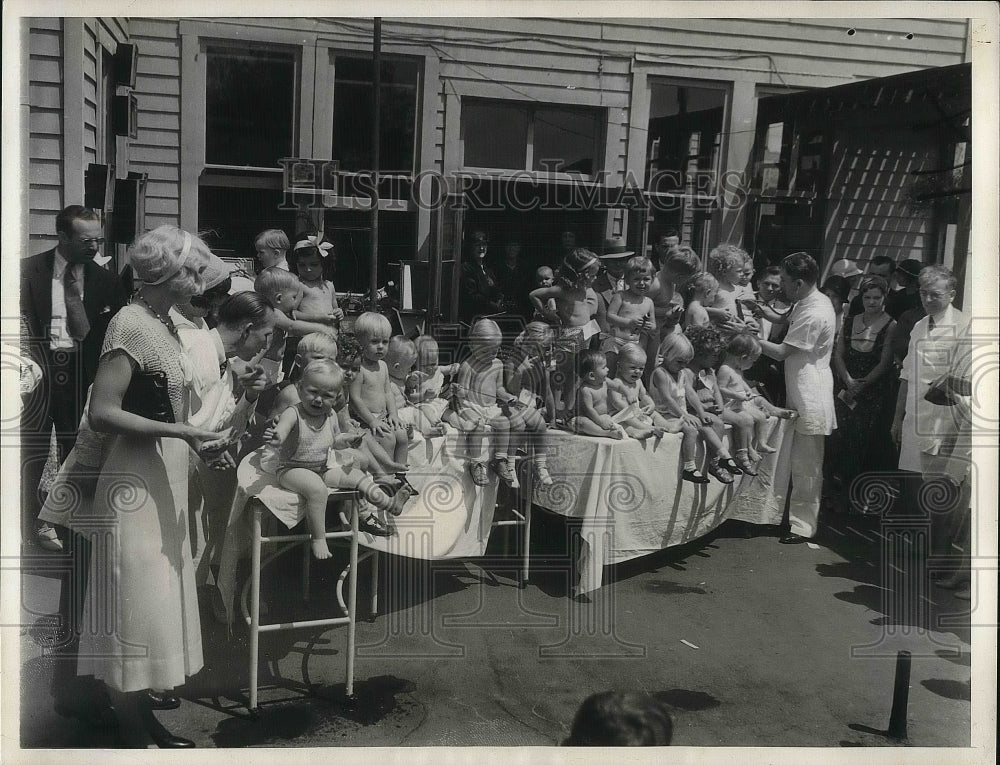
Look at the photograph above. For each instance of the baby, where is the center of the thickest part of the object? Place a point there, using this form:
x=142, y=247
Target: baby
x=526, y=374
x=704, y=397
x=426, y=382
x=284, y=291
x=669, y=396
x=300, y=452
x=701, y=292
x=746, y=410
x=630, y=312
x=271, y=246
x=319, y=296
x=372, y=398
x=544, y=278
x=576, y=305
x=347, y=354
x=400, y=357
x=627, y=392
x=479, y=394
x=726, y=263
x=593, y=408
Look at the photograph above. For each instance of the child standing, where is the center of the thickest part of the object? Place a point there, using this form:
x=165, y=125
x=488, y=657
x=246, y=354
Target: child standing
x=319, y=297
x=284, y=291
x=372, y=400
x=701, y=292
x=301, y=455
x=704, y=397
x=479, y=392
x=576, y=305
x=527, y=377
x=544, y=278
x=627, y=390
x=593, y=409
x=271, y=246
x=630, y=312
x=753, y=409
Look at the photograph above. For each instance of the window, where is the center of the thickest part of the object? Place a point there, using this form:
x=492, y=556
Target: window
x=352, y=113
x=514, y=135
x=250, y=107
x=683, y=155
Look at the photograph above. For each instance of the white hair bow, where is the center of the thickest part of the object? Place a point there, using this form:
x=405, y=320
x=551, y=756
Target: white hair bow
x=315, y=241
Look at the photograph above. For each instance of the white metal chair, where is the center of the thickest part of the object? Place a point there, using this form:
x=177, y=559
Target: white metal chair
x=250, y=600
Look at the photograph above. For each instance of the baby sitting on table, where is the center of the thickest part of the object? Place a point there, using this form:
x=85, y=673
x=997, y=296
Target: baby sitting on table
x=347, y=354
x=478, y=395
x=426, y=384
x=626, y=392
x=400, y=356
x=372, y=398
x=310, y=455
x=526, y=375
x=593, y=408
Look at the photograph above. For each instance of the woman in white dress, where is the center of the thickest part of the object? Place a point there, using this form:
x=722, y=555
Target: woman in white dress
x=141, y=625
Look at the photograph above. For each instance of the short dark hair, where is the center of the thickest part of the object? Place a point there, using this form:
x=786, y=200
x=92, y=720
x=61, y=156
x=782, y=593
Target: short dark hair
x=767, y=271
x=244, y=306
x=66, y=216
x=614, y=718
x=884, y=260
x=800, y=265
x=839, y=285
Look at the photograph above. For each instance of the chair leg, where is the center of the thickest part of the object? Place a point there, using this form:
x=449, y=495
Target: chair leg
x=255, y=603
x=374, y=605
x=306, y=561
x=527, y=488
x=352, y=599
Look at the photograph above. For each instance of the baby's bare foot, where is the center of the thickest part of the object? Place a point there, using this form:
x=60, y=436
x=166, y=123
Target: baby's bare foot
x=766, y=449
x=320, y=549
x=396, y=505
x=616, y=434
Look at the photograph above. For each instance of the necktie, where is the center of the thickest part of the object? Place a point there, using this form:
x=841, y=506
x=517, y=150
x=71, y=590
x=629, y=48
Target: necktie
x=930, y=322
x=77, y=322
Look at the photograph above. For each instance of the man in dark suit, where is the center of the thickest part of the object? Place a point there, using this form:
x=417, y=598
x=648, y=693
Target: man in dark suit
x=67, y=301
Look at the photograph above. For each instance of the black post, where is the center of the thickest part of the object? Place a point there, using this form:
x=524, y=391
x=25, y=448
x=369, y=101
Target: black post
x=376, y=131
x=900, y=696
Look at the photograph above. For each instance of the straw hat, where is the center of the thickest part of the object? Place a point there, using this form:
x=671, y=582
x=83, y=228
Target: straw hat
x=845, y=268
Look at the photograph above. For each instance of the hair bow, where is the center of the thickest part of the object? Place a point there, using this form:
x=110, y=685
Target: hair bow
x=323, y=248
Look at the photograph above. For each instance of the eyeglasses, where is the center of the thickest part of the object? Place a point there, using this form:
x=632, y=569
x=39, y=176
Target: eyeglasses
x=933, y=295
x=86, y=242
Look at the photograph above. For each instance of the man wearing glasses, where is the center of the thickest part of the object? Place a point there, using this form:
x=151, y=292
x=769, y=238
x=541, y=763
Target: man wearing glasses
x=67, y=301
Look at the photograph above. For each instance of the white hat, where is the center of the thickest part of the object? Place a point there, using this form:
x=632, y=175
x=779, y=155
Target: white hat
x=845, y=268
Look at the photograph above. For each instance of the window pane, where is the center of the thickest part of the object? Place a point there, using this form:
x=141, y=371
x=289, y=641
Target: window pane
x=234, y=216
x=685, y=138
x=250, y=108
x=352, y=114
x=566, y=140
x=496, y=134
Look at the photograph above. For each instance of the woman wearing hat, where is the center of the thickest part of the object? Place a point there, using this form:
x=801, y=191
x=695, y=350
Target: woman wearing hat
x=481, y=295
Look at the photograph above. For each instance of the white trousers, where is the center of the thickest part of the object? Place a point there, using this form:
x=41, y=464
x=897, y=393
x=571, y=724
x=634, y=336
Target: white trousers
x=806, y=484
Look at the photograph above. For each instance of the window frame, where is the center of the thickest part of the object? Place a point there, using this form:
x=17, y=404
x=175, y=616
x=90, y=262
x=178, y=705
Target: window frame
x=599, y=114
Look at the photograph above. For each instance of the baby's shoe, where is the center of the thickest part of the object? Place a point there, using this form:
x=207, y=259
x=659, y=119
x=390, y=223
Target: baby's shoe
x=542, y=474
x=480, y=475
x=719, y=472
x=696, y=476
x=744, y=463
x=503, y=469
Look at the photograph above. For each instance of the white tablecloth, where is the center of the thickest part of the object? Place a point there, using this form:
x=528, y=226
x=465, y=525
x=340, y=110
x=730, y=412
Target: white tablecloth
x=450, y=518
x=633, y=502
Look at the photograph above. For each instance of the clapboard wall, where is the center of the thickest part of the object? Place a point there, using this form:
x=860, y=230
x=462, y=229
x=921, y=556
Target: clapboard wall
x=66, y=118
x=578, y=61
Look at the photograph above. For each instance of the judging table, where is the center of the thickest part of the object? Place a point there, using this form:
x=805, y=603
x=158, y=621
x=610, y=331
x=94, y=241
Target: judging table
x=632, y=501
x=628, y=494
x=451, y=517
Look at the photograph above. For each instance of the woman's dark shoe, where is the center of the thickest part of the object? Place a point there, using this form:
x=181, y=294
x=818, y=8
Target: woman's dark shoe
x=163, y=738
x=160, y=700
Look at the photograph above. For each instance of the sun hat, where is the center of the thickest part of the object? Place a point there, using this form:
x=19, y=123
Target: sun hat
x=845, y=268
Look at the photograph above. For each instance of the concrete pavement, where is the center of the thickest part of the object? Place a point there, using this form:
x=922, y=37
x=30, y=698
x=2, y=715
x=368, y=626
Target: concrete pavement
x=749, y=642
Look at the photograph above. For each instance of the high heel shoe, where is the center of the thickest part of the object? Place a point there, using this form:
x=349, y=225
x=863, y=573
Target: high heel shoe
x=161, y=700
x=163, y=738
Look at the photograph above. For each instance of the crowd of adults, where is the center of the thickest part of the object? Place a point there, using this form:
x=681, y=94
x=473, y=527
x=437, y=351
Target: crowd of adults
x=131, y=372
